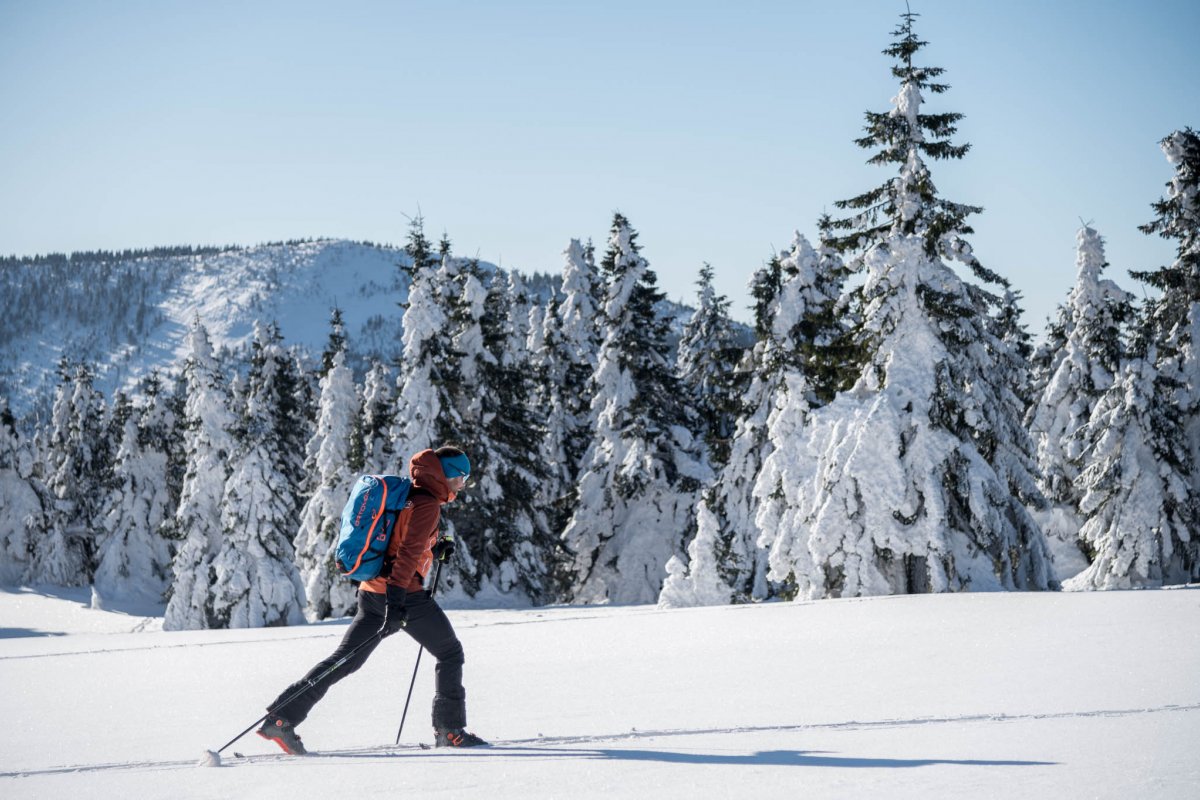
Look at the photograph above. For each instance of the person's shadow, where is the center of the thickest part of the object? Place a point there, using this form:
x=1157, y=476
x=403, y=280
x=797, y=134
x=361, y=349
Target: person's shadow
x=768, y=758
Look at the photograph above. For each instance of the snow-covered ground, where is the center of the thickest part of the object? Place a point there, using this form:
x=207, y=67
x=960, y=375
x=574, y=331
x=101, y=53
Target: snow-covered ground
x=968, y=695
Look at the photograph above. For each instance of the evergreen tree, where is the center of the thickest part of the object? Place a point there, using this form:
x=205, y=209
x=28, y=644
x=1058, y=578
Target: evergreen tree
x=209, y=446
x=22, y=503
x=909, y=205
x=1076, y=377
x=708, y=354
x=372, y=450
x=502, y=526
x=76, y=472
x=1175, y=316
x=642, y=473
x=336, y=343
x=1142, y=443
x=256, y=582
x=328, y=594
x=426, y=414
x=135, y=558
x=1139, y=514
x=916, y=479
x=800, y=332
x=565, y=365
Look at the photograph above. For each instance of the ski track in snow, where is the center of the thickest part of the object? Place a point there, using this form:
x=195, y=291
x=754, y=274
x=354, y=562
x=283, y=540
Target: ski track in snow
x=555, y=744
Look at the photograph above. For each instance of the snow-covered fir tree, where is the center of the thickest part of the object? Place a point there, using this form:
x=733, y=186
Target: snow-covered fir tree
x=1175, y=316
x=22, y=503
x=499, y=520
x=708, y=354
x=1142, y=443
x=797, y=330
x=914, y=480
x=372, y=450
x=1138, y=511
x=1077, y=376
x=328, y=594
x=209, y=447
x=76, y=475
x=256, y=583
x=564, y=367
x=425, y=414
x=135, y=557
x=643, y=470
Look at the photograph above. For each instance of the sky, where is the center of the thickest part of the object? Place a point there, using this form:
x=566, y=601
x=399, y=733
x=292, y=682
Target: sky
x=718, y=129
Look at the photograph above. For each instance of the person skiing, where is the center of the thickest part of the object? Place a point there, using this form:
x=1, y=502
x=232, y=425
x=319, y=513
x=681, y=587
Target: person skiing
x=397, y=600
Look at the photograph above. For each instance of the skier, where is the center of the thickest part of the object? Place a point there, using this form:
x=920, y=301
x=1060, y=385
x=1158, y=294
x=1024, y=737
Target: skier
x=397, y=600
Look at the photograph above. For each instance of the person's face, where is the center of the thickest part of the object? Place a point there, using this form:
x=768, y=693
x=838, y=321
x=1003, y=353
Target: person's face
x=457, y=483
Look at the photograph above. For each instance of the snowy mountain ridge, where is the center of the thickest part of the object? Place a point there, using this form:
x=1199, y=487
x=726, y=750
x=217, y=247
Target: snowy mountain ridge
x=295, y=285
x=129, y=314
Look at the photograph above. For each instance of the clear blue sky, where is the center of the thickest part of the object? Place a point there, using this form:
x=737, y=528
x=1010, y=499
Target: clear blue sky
x=717, y=128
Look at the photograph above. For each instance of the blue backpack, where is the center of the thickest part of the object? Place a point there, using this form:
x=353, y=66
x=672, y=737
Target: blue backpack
x=367, y=522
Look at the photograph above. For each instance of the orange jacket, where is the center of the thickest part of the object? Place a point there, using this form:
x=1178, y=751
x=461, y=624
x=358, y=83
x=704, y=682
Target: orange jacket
x=410, y=550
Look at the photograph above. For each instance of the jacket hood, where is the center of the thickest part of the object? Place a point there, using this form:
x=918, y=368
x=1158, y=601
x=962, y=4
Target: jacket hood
x=426, y=471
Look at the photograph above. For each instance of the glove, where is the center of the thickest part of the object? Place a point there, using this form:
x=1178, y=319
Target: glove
x=443, y=548
x=396, y=616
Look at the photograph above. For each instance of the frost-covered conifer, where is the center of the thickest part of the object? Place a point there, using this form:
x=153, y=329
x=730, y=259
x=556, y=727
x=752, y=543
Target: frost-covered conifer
x=1175, y=318
x=1142, y=443
x=794, y=298
x=708, y=353
x=372, y=450
x=915, y=479
x=499, y=521
x=567, y=361
x=135, y=558
x=328, y=594
x=209, y=447
x=256, y=582
x=1139, y=515
x=1077, y=376
x=425, y=414
x=22, y=498
x=642, y=475
x=76, y=472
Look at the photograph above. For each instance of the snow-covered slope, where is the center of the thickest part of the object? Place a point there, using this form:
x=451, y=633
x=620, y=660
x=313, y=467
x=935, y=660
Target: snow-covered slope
x=144, y=306
x=962, y=695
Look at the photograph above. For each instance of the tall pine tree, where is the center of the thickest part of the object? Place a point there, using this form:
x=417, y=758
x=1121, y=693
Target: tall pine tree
x=642, y=473
x=327, y=593
x=915, y=479
x=209, y=447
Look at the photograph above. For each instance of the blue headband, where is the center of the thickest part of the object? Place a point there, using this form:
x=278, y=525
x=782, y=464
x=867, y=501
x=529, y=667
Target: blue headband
x=454, y=466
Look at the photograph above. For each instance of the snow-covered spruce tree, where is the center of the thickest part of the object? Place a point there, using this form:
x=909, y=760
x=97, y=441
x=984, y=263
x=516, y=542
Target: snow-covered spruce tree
x=642, y=471
x=209, y=447
x=708, y=355
x=1139, y=517
x=914, y=480
x=426, y=416
x=371, y=450
x=499, y=521
x=1077, y=376
x=256, y=583
x=135, y=557
x=328, y=594
x=564, y=366
x=1141, y=445
x=1175, y=317
x=798, y=331
x=22, y=503
x=76, y=477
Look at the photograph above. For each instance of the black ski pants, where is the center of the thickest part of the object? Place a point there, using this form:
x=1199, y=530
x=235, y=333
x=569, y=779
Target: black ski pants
x=427, y=624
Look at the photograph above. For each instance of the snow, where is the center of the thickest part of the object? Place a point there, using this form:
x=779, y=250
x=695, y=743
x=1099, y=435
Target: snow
x=964, y=695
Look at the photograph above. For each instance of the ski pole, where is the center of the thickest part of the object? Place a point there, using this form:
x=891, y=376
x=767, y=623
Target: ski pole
x=308, y=684
x=437, y=573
